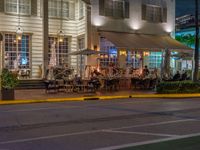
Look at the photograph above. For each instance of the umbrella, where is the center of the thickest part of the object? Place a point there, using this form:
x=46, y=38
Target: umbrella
x=85, y=52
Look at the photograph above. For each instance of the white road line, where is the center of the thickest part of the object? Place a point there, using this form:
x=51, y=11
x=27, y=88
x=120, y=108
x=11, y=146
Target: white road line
x=48, y=137
x=153, y=124
x=86, y=132
x=141, y=133
x=148, y=142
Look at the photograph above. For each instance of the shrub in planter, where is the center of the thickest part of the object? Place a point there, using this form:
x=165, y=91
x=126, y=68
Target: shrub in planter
x=9, y=81
x=178, y=87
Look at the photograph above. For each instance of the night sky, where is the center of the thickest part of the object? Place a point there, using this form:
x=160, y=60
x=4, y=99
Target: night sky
x=185, y=7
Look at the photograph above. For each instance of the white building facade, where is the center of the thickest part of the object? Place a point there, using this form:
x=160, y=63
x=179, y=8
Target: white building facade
x=129, y=28
x=26, y=50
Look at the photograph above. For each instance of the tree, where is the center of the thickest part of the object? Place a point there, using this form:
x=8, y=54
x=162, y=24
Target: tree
x=196, y=53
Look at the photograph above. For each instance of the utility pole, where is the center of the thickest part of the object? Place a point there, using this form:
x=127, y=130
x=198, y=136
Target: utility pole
x=196, y=52
x=45, y=35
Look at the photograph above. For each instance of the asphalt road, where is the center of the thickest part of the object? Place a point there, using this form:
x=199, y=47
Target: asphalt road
x=97, y=124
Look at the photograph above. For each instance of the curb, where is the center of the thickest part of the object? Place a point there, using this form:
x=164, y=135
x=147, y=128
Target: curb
x=51, y=100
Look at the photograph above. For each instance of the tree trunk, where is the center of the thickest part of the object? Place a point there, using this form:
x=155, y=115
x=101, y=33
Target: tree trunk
x=196, y=53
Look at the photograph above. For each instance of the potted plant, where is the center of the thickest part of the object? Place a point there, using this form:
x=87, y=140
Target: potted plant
x=9, y=81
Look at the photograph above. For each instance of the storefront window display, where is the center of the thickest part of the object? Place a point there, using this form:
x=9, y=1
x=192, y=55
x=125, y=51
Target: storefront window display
x=17, y=52
x=58, y=50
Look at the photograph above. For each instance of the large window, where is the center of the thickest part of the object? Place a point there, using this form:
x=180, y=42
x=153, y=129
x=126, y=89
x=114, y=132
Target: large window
x=155, y=60
x=81, y=9
x=110, y=57
x=18, y=6
x=62, y=9
x=17, y=52
x=154, y=11
x=114, y=8
x=58, y=50
x=81, y=43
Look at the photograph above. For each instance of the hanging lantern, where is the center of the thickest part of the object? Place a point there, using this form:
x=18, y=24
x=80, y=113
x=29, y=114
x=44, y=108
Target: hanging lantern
x=61, y=35
x=19, y=33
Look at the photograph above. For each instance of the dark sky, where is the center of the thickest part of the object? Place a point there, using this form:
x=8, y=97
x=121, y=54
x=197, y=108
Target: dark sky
x=185, y=7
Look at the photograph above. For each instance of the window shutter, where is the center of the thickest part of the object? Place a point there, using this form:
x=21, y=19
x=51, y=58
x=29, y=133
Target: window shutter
x=144, y=11
x=101, y=7
x=164, y=15
x=1, y=5
x=34, y=7
x=126, y=9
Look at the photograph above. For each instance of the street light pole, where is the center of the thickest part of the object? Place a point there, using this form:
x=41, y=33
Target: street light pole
x=196, y=53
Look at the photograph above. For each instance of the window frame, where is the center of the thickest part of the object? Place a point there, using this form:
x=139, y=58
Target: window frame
x=59, y=54
x=15, y=44
x=158, y=13
x=18, y=8
x=108, y=8
x=81, y=9
x=58, y=10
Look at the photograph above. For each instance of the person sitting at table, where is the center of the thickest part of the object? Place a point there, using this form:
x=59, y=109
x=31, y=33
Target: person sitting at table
x=184, y=75
x=145, y=71
x=96, y=73
x=177, y=76
x=77, y=80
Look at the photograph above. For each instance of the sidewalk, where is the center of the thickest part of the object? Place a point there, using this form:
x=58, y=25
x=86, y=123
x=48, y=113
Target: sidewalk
x=39, y=95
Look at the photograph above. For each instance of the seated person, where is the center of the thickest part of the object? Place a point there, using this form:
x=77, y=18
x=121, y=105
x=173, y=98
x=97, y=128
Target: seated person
x=96, y=73
x=177, y=76
x=184, y=75
x=95, y=82
x=145, y=71
x=77, y=80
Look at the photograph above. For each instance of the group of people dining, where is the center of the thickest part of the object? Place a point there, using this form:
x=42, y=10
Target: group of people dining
x=111, y=77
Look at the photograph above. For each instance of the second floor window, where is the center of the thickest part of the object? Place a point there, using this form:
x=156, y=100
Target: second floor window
x=62, y=9
x=18, y=7
x=81, y=9
x=154, y=11
x=114, y=8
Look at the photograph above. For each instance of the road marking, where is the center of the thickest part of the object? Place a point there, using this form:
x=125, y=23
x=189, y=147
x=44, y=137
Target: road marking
x=87, y=132
x=48, y=137
x=141, y=133
x=153, y=124
x=148, y=142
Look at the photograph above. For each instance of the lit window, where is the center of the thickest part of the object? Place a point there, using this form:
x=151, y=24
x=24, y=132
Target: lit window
x=62, y=9
x=155, y=60
x=17, y=52
x=18, y=6
x=61, y=50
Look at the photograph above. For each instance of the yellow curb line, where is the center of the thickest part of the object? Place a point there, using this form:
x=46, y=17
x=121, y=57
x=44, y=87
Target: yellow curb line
x=166, y=96
x=12, y=102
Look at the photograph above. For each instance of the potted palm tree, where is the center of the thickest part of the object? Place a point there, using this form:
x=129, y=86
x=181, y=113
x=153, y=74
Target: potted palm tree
x=9, y=81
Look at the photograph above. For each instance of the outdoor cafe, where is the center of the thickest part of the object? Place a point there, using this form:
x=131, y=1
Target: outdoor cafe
x=119, y=64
